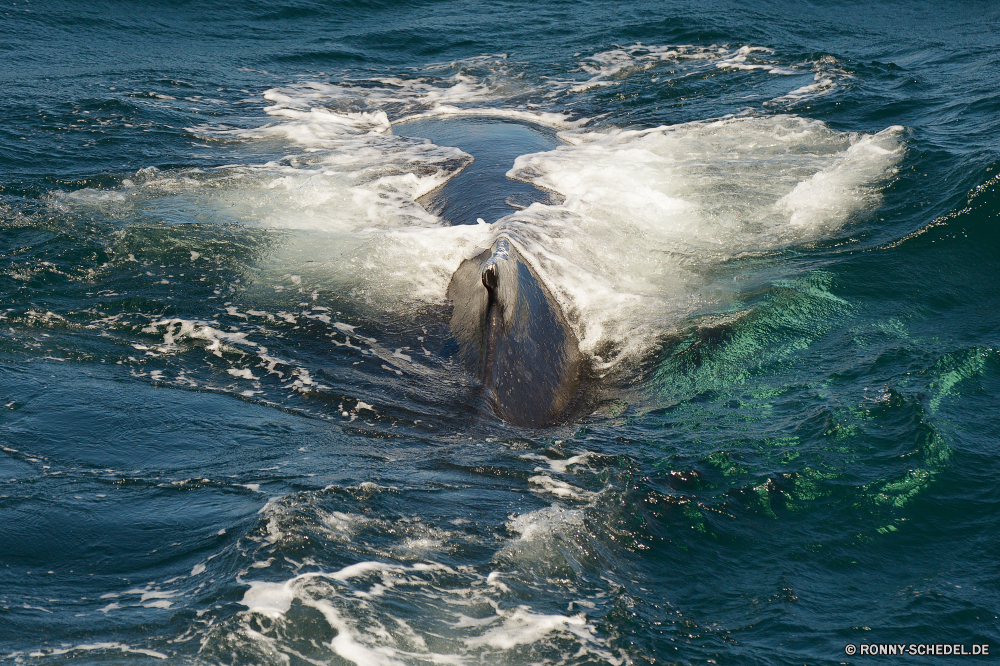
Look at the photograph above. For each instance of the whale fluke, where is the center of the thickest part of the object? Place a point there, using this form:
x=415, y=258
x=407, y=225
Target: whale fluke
x=514, y=337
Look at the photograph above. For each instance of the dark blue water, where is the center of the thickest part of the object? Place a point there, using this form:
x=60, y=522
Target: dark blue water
x=234, y=423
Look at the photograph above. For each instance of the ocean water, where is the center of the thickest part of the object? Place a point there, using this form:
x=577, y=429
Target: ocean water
x=234, y=425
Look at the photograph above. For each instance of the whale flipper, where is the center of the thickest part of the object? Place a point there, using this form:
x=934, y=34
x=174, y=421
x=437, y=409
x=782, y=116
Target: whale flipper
x=513, y=335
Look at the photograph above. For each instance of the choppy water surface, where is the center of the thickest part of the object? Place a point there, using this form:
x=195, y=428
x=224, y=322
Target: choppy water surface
x=235, y=427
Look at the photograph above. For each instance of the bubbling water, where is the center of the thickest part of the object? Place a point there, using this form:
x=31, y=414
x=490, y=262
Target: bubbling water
x=644, y=217
x=647, y=213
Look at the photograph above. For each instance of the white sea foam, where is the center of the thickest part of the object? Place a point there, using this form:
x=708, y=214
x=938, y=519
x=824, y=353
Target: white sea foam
x=612, y=67
x=522, y=627
x=647, y=213
x=392, y=609
x=561, y=466
x=238, y=345
x=558, y=488
x=95, y=647
x=359, y=602
x=540, y=525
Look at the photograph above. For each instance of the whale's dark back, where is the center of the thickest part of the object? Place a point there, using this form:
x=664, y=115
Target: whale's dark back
x=516, y=339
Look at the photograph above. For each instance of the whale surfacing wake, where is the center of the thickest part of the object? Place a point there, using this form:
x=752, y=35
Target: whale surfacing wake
x=514, y=337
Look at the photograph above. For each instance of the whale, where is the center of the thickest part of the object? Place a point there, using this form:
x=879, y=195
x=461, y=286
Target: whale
x=513, y=336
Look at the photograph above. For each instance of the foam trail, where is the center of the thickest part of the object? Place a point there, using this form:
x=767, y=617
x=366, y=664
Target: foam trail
x=358, y=602
x=648, y=212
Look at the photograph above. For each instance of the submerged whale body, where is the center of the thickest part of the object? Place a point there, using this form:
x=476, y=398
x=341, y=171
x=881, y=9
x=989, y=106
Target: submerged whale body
x=515, y=338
